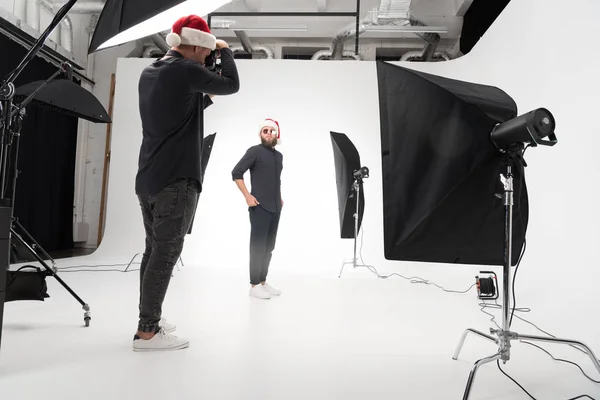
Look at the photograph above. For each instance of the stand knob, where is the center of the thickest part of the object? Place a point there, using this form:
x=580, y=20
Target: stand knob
x=7, y=91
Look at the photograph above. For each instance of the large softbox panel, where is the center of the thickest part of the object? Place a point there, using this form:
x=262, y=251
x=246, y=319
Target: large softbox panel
x=441, y=171
x=347, y=161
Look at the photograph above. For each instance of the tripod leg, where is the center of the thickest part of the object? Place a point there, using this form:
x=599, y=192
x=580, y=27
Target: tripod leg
x=85, y=306
x=474, y=369
x=31, y=239
x=575, y=343
x=342, y=270
x=464, y=336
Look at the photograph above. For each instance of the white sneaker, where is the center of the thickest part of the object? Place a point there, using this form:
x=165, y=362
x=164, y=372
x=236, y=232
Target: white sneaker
x=160, y=342
x=258, y=292
x=166, y=326
x=271, y=290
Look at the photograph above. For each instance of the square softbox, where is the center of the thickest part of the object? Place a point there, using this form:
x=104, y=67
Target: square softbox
x=441, y=172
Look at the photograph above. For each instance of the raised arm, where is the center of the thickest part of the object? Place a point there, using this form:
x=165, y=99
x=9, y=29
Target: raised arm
x=204, y=81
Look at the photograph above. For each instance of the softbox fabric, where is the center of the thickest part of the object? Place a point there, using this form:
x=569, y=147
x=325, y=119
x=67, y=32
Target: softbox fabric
x=66, y=97
x=207, y=145
x=347, y=161
x=119, y=15
x=441, y=172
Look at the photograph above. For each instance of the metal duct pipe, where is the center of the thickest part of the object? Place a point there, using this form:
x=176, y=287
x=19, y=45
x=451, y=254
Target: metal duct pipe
x=89, y=7
x=419, y=55
x=390, y=12
x=138, y=51
x=65, y=33
x=432, y=39
x=328, y=55
x=245, y=40
x=152, y=51
x=20, y=7
x=32, y=14
x=160, y=42
x=255, y=49
x=337, y=46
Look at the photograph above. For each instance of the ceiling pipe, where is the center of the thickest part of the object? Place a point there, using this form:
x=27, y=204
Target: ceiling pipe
x=250, y=48
x=418, y=56
x=88, y=7
x=268, y=53
x=328, y=55
x=160, y=42
x=390, y=12
x=32, y=18
x=245, y=40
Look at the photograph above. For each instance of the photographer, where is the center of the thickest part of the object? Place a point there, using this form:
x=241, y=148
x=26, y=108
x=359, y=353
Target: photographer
x=173, y=93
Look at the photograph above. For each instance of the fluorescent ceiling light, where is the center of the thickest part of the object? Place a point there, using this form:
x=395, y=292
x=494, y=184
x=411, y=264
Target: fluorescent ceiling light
x=408, y=29
x=281, y=28
x=164, y=21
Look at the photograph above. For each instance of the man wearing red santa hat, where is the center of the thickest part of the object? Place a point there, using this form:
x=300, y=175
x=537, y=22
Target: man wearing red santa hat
x=264, y=203
x=173, y=93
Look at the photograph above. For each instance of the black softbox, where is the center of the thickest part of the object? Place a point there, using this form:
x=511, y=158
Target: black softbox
x=119, y=15
x=347, y=161
x=441, y=172
x=207, y=145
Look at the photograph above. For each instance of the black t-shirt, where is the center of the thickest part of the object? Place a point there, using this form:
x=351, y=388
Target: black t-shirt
x=265, y=165
x=171, y=105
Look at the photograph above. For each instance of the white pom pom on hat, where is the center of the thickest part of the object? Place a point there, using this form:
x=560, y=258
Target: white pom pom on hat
x=192, y=30
x=173, y=39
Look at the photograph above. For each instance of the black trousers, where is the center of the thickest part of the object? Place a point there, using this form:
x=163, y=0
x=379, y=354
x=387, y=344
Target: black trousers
x=263, y=234
x=167, y=216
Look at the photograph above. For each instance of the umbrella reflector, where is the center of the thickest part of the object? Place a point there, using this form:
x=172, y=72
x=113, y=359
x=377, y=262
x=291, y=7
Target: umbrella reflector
x=66, y=97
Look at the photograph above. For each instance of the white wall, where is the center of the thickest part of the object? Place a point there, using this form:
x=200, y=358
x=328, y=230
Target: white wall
x=558, y=274
x=309, y=224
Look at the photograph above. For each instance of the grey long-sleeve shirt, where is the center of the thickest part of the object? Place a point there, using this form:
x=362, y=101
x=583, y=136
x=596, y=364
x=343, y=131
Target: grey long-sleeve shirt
x=265, y=165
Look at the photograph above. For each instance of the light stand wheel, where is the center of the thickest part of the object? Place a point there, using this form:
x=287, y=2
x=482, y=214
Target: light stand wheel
x=503, y=337
x=87, y=315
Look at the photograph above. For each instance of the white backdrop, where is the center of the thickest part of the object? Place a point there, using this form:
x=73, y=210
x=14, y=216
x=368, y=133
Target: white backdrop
x=532, y=52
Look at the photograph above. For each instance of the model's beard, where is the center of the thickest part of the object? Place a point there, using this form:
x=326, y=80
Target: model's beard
x=269, y=143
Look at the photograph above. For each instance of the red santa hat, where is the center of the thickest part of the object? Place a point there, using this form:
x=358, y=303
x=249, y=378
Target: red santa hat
x=191, y=30
x=271, y=123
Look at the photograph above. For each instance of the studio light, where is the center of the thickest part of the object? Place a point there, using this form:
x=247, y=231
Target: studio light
x=122, y=21
x=440, y=169
x=444, y=144
x=349, y=176
x=530, y=128
x=362, y=173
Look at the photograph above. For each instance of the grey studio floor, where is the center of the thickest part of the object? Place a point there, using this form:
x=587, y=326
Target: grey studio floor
x=357, y=337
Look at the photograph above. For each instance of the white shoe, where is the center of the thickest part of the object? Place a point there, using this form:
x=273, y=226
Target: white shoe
x=160, y=342
x=166, y=326
x=258, y=292
x=271, y=290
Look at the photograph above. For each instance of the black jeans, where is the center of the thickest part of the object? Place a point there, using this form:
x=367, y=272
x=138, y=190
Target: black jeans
x=263, y=234
x=167, y=217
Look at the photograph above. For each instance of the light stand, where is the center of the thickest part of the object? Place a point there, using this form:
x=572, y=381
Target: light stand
x=503, y=337
x=12, y=117
x=358, y=181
